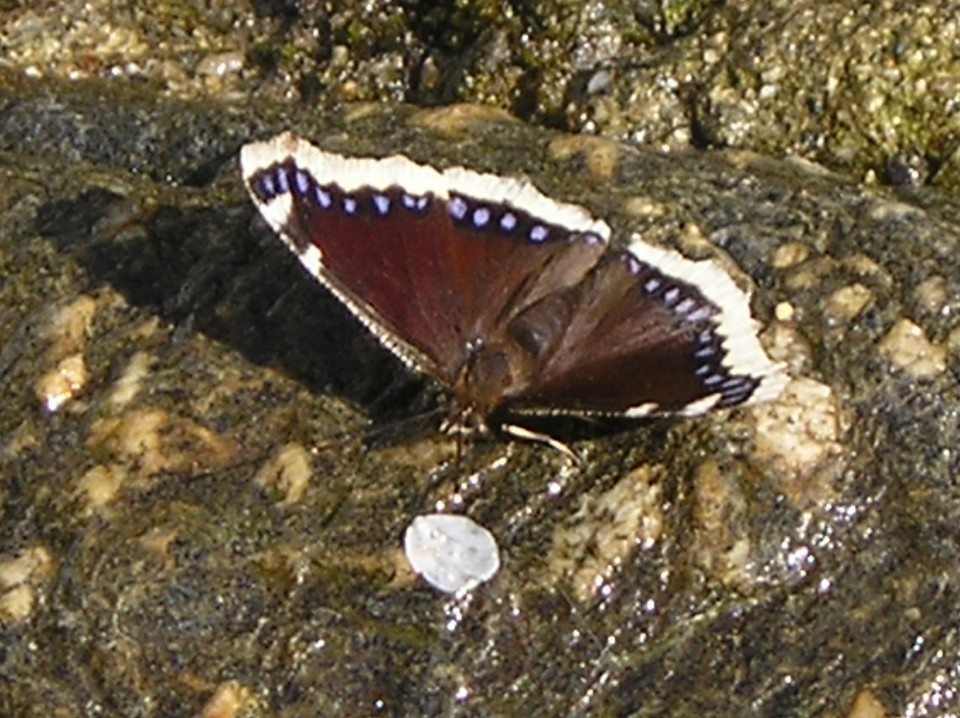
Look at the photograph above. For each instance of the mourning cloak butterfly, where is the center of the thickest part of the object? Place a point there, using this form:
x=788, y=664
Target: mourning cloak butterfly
x=506, y=297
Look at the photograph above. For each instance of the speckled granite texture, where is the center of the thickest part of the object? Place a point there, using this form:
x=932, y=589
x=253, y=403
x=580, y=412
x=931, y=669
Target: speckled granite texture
x=204, y=470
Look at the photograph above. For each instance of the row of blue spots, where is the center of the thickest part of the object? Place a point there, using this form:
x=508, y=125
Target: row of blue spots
x=285, y=179
x=708, y=352
x=671, y=295
x=708, y=355
x=733, y=389
x=737, y=390
x=484, y=217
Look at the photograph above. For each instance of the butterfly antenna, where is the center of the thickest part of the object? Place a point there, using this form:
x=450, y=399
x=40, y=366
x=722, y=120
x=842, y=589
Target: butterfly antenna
x=524, y=434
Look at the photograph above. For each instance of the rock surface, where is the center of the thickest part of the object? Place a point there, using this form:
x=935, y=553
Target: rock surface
x=204, y=484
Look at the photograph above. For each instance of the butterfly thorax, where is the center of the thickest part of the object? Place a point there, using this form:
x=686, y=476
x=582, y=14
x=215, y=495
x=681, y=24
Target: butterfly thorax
x=491, y=374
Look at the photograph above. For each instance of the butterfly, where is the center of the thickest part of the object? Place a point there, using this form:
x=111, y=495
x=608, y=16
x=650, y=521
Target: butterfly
x=515, y=303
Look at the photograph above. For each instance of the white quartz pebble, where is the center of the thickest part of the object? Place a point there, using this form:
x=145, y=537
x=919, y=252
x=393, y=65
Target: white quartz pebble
x=453, y=553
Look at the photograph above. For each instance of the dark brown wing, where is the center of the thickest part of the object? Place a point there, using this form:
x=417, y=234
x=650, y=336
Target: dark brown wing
x=430, y=269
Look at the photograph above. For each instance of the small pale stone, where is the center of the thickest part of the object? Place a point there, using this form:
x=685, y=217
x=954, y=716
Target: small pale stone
x=135, y=435
x=907, y=348
x=19, y=578
x=932, y=294
x=17, y=604
x=866, y=266
x=29, y=565
x=810, y=274
x=288, y=472
x=68, y=325
x=62, y=383
x=784, y=311
x=867, y=705
x=644, y=208
x=589, y=547
x=786, y=344
x=221, y=64
x=601, y=155
x=720, y=546
x=790, y=255
x=100, y=485
x=800, y=433
x=65, y=329
x=229, y=701
x=155, y=440
x=131, y=380
x=453, y=553
x=847, y=302
x=884, y=210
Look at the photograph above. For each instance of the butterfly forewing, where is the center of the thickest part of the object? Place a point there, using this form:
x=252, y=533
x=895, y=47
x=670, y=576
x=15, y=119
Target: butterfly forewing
x=431, y=272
